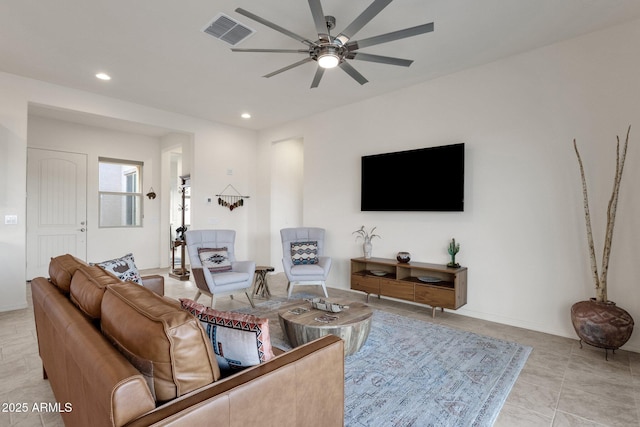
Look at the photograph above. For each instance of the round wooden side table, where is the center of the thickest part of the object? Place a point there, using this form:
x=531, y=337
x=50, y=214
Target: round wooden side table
x=261, y=287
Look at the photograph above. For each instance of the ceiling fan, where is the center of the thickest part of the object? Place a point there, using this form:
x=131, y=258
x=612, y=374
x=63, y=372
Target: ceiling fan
x=330, y=51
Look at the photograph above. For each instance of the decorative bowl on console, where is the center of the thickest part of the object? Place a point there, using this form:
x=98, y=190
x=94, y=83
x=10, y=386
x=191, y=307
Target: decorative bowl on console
x=403, y=257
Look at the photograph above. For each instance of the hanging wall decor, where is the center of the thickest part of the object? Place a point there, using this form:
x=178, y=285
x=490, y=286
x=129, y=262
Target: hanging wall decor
x=151, y=194
x=230, y=200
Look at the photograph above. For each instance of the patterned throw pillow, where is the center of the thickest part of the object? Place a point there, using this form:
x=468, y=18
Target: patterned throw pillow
x=304, y=252
x=124, y=268
x=239, y=340
x=215, y=259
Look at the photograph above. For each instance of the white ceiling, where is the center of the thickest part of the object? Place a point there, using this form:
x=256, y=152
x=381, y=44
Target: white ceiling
x=158, y=56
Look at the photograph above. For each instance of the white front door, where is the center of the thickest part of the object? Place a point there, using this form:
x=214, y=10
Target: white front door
x=56, y=208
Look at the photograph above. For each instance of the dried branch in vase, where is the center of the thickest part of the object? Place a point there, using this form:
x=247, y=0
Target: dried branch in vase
x=600, y=278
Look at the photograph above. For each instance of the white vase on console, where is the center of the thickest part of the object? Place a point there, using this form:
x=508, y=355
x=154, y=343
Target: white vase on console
x=366, y=247
x=366, y=238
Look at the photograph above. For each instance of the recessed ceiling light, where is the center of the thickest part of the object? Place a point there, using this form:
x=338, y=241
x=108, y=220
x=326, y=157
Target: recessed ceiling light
x=245, y=115
x=103, y=76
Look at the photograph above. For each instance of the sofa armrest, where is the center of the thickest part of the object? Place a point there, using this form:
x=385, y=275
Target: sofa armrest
x=304, y=386
x=155, y=283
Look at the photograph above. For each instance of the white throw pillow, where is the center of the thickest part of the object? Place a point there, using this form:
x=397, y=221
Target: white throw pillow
x=124, y=268
x=215, y=259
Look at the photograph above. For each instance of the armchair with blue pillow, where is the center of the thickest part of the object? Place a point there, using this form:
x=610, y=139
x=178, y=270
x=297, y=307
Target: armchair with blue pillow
x=303, y=257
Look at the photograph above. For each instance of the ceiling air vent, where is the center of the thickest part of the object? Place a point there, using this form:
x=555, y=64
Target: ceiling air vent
x=228, y=29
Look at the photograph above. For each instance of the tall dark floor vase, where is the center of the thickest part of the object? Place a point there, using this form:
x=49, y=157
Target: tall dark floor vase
x=601, y=324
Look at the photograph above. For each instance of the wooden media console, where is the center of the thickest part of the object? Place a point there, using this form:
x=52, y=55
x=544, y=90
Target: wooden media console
x=435, y=285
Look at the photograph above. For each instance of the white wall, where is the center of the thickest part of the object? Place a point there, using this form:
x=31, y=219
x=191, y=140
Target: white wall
x=13, y=159
x=522, y=233
x=287, y=192
x=229, y=145
x=108, y=243
x=227, y=158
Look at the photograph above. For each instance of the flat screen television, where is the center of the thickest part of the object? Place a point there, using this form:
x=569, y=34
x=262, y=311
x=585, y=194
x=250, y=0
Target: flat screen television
x=426, y=179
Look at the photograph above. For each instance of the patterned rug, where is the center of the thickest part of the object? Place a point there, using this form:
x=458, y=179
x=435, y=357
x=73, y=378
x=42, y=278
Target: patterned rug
x=416, y=373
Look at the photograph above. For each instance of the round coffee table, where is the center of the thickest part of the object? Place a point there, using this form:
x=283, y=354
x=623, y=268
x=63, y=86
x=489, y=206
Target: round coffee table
x=301, y=323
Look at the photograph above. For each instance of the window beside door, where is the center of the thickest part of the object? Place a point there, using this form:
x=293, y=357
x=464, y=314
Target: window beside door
x=119, y=193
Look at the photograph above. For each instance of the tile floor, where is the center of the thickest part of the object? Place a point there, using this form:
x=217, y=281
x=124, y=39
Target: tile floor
x=560, y=385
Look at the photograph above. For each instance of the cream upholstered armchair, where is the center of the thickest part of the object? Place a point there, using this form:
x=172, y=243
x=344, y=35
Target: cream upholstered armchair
x=303, y=257
x=214, y=266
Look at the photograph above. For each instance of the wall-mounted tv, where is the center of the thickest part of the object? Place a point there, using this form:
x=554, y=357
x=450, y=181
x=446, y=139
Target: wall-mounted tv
x=426, y=179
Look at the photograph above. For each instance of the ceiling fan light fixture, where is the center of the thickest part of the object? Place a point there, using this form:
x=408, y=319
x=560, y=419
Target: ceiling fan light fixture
x=329, y=60
x=328, y=57
x=338, y=51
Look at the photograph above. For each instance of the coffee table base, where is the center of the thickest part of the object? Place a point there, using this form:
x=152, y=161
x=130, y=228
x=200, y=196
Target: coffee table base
x=353, y=328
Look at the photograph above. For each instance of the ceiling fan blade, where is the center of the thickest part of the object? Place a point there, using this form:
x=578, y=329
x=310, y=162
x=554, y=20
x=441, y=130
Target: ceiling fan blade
x=271, y=50
x=394, y=35
x=274, y=26
x=353, y=72
x=381, y=59
x=288, y=67
x=319, y=19
x=317, y=77
x=367, y=15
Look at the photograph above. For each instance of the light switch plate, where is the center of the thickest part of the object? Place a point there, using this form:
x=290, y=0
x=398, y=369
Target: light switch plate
x=11, y=219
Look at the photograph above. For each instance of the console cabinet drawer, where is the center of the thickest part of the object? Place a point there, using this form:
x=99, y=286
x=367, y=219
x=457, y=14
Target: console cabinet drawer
x=435, y=297
x=396, y=289
x=368, y=284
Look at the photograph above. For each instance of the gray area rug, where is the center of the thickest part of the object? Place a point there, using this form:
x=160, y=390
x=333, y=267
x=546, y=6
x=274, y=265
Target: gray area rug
x=416, y=373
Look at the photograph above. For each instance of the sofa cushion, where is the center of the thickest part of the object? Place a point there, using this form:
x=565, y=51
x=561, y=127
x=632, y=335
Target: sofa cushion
x=167, y=344
x=61, y=270
x=229, y=277
x=242, y=340
x=88, y=285
x=304, y=252
x=124, y=268
x=215, y=259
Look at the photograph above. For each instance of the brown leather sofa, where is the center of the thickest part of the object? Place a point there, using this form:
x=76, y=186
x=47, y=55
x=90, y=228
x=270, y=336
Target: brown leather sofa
x=120, y=354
